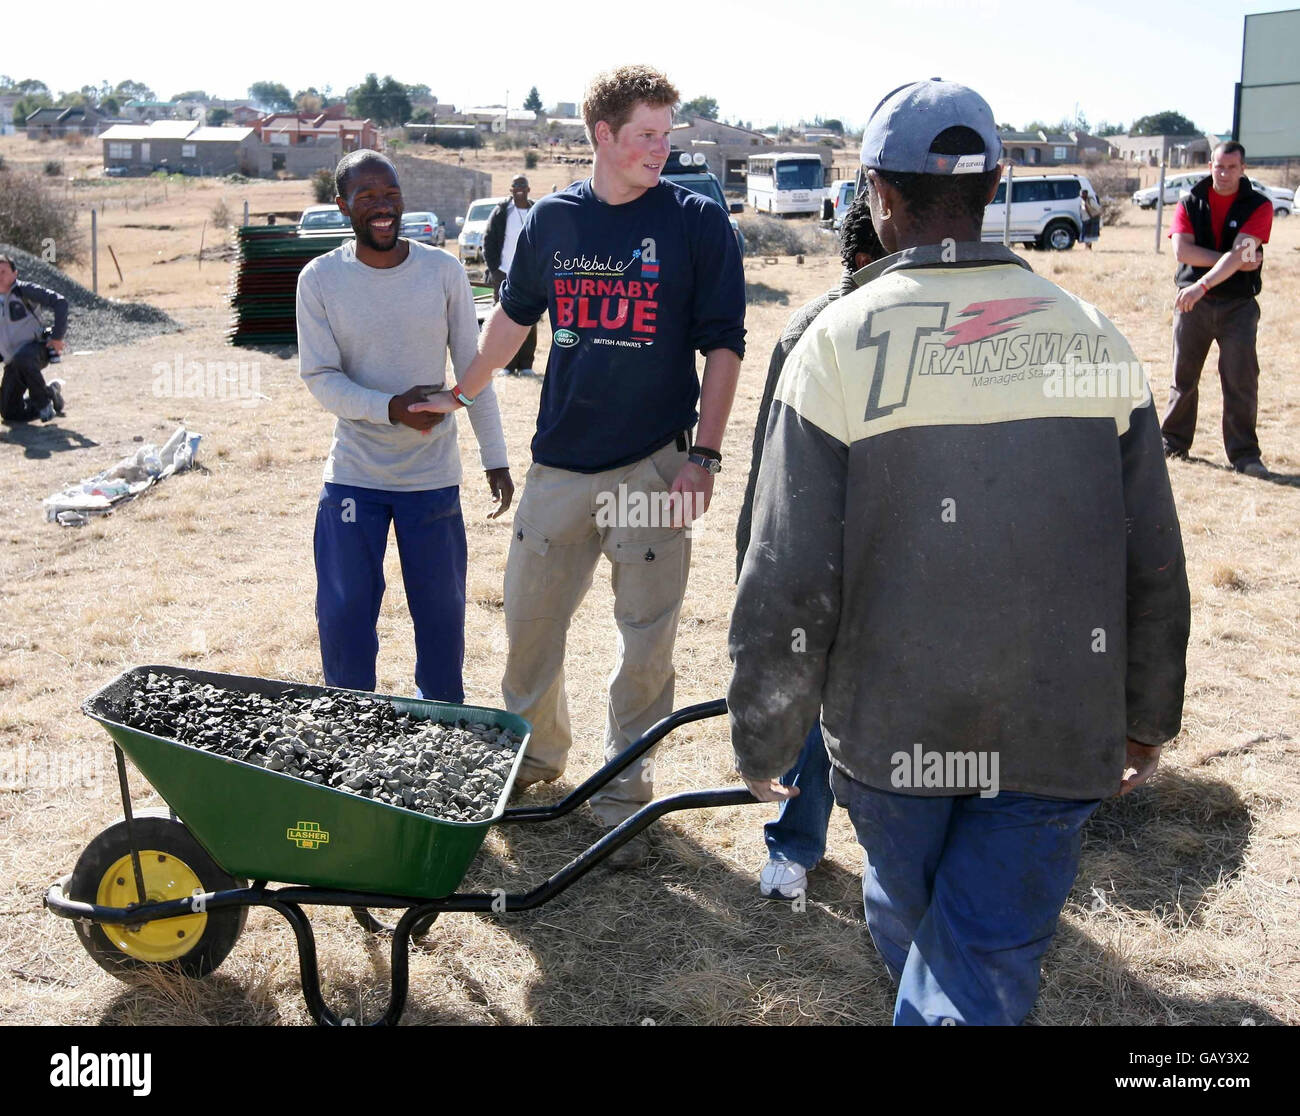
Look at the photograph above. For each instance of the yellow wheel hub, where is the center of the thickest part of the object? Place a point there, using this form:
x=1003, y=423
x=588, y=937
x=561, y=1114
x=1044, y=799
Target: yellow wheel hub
x=165, y=877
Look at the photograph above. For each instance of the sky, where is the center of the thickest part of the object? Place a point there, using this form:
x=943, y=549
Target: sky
x=764, y=61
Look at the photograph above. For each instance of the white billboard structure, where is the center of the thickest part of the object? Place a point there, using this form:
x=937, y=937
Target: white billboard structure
x=1266, y=115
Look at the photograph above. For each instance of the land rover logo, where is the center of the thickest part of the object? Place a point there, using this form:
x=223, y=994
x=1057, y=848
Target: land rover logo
x=566, y=338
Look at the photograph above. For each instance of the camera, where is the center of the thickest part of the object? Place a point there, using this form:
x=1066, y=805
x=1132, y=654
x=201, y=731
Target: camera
x=49, y=349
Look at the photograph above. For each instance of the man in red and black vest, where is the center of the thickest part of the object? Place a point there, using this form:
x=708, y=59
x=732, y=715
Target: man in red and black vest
x=1219, y=231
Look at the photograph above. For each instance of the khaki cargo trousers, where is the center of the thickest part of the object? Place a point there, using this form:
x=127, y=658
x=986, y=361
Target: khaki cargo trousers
x=564, y=523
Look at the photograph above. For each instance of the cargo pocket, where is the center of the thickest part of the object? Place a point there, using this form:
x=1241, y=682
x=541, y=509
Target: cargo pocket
x=528, y=573
x=650, y=548
x=650, y=569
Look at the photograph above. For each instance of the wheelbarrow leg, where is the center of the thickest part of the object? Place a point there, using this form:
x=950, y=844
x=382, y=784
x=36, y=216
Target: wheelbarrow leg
x=129, y=816
x=307, y=967
x=310, y=972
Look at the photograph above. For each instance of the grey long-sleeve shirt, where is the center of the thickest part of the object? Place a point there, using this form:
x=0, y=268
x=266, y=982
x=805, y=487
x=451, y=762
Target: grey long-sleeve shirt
x=366, y=334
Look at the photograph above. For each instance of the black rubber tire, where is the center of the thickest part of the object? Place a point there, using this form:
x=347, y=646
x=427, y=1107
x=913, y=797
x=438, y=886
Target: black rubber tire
x=1059, y=236
x=156, y=829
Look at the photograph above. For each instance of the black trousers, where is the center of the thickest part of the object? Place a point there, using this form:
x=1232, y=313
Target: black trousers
x=1232, y=322
x=23, y=394
x=524, y=357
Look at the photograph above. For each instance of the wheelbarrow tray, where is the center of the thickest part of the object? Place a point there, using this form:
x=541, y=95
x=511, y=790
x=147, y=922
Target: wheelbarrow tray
x=265, y=825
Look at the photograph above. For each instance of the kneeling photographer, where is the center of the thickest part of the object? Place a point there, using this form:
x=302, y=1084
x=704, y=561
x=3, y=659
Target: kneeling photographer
x=27, y=347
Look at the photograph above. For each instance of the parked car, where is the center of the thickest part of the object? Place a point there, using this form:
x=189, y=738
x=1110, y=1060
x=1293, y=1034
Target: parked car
x=839, y=198
x=1175, y=184
x=115, y=172
x=1283, y=199
x=692, y=172
x=323, y=220
x=472, y=227
x=424, y=226
x=1046, y=210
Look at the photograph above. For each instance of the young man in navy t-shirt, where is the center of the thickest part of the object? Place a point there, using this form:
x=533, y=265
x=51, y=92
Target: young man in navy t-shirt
x=637, y=276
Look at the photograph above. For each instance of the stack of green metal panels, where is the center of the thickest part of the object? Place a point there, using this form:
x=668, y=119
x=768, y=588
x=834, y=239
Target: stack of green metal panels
x=265, y=282
x=264, y=286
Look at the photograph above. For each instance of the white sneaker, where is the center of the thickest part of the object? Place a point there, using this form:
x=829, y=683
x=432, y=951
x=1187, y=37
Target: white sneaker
x=525, y=372
x=783, y=879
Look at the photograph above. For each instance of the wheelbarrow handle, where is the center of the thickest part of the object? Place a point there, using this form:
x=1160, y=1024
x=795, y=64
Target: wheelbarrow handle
x=591, y=856
x=622, y=762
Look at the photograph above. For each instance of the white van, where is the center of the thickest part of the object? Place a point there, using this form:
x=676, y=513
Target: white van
x=1046, y=210
x=472, y=227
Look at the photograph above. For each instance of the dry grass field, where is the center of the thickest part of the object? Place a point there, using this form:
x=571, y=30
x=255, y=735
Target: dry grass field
x=1186, y=906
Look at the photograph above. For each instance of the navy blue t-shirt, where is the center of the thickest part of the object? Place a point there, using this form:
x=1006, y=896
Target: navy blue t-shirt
x=633, y=292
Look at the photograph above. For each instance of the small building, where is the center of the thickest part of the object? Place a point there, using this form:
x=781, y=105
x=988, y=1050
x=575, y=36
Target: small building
x=1051, y=149
x=181, y=146
x=498, y=120
x=1038, y=149
x=694, y=129
x=145, y=112
x=328, y=128
x=72, y=120
x=451, y=135
x=1173, y=151
x=444, y=188
x=727, y=147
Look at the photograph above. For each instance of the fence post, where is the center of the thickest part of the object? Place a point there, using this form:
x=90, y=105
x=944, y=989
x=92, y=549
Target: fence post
x=94, y=252
x=1160, y=203
x=245, y=211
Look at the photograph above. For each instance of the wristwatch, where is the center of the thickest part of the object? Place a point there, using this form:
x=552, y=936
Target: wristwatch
x=710, y=460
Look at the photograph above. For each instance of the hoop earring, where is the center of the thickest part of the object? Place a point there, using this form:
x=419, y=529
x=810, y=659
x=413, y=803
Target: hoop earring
x=886, y=214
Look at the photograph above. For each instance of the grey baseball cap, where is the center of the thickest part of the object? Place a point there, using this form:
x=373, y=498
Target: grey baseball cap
x=899, y=134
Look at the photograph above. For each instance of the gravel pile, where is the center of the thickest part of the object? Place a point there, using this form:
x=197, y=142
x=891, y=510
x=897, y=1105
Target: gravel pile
x=93, y=322
x=358, y=745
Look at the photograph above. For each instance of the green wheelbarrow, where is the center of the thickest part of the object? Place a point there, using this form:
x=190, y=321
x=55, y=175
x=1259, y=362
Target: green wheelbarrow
x=170, y=887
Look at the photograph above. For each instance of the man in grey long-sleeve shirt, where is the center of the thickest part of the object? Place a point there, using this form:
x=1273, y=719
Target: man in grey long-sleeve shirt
x=376, y=318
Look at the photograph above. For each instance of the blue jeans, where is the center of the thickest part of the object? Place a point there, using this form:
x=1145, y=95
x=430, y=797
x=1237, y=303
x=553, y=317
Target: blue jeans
x=962, y=895
x=799, y=832
x=350, y=540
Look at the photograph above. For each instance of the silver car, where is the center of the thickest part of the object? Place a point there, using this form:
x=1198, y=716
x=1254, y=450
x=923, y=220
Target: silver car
x=424, y=226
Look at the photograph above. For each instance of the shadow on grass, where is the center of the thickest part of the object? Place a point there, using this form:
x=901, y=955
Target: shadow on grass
x=758, y=293
x=687, y=939
x=41, y=440
x=167, y=998
x=1286, y=480
x=684, y=939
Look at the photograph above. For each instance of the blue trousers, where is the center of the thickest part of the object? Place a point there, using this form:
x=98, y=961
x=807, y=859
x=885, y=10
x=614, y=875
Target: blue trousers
x=799, y=831
x=350, y=540
x=962, y=895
